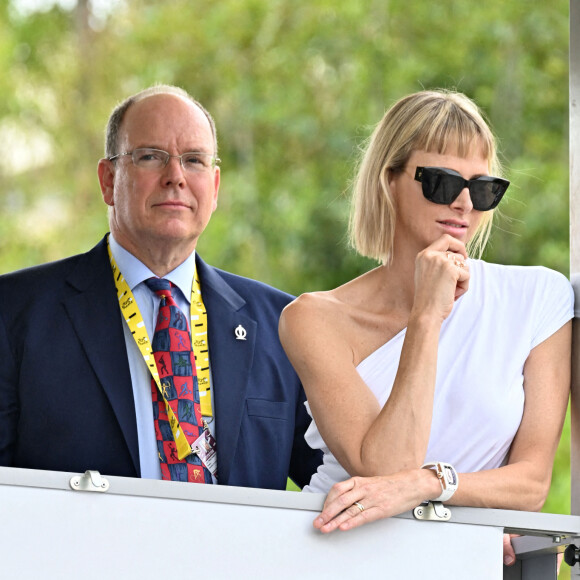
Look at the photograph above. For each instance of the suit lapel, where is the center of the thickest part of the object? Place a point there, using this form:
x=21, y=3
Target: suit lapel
x=93, y=312
x=95, y=315
x=231, y=359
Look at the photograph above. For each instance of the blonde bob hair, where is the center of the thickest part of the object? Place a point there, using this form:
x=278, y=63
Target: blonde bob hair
x=434, y=121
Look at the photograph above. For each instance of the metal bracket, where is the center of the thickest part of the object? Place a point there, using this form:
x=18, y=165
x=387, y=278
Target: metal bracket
x=432, y=510
x=90, y=481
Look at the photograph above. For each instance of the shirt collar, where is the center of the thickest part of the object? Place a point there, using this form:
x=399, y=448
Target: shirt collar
x=135, y=272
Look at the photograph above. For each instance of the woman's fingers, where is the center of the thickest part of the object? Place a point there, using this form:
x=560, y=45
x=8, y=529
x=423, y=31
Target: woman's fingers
x=441, y=277
x=336, y=502
x=462, y=272
x=449, y=243
x=360, y=500
x=351, y=517
x=509, y=555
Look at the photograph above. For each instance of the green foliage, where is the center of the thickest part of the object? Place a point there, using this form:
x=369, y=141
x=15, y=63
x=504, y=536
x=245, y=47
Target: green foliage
x=295, y=88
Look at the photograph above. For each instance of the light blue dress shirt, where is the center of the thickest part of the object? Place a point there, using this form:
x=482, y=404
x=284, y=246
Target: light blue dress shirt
x=135, y=273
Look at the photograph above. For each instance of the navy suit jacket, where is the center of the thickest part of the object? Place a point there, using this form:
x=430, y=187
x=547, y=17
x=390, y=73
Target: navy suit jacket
x=66, y=400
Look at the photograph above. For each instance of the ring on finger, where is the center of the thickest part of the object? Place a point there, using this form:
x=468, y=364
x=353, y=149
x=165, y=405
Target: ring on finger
x=453, y=256
x=360, y=506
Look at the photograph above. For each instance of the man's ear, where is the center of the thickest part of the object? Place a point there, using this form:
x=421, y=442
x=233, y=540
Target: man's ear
x=106, y=173
x=217, y=177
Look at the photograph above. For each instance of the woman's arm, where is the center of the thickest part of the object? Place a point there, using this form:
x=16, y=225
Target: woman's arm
x=522, y=484
x=317, y=334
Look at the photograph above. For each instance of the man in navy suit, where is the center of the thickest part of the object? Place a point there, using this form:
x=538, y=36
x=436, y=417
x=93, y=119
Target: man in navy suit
x=75, y=390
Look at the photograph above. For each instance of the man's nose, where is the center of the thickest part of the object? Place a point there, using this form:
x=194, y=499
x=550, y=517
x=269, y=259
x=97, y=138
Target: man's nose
x=173, y=172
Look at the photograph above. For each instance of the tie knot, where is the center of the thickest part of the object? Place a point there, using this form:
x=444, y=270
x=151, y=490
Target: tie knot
x=159, y=286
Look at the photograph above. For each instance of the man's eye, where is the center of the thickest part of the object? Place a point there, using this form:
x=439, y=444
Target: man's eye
x=194, y=159
x=150, y=156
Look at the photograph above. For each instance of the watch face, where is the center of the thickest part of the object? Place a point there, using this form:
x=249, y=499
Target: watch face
x=450, y=476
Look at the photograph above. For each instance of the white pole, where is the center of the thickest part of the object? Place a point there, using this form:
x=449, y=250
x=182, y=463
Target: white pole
x=575, y=244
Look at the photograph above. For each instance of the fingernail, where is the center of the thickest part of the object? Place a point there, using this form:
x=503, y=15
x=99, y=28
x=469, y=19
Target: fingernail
x=318, y=522
x=508, y=560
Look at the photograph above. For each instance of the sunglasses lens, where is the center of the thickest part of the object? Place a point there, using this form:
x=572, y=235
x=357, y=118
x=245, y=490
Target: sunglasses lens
x=486, y=193
x=440, y=187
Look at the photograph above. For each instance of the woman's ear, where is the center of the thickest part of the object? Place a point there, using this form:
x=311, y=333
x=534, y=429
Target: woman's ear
x=390, y=178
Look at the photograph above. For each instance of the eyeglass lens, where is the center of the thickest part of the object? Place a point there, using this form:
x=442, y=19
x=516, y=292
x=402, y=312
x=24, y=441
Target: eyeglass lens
x=157, y=159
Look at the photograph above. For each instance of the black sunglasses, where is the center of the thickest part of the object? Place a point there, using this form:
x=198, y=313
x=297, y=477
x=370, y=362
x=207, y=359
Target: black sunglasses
x=441, y=185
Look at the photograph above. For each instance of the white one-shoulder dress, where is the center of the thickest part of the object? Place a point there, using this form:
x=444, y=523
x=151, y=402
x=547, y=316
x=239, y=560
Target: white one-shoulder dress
x=484, y=343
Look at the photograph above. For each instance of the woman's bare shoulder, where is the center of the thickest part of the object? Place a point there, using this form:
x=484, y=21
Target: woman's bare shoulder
x=314, y=326
x=344, y=303
x=336, y=302
x=313, y=306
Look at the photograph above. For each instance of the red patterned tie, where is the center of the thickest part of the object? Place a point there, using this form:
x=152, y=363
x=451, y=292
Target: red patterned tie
x=178, y=378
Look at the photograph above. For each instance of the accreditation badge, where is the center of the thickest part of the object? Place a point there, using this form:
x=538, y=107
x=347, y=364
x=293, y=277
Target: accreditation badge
x=205, y=448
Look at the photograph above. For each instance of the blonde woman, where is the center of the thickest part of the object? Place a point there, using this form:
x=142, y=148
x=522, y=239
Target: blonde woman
x=434, y=358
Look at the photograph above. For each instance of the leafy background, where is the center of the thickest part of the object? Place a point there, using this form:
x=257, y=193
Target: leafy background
x=295, y=87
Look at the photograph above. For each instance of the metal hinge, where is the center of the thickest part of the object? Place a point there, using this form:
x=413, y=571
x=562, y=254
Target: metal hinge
x=432, y=510
x=90, y=481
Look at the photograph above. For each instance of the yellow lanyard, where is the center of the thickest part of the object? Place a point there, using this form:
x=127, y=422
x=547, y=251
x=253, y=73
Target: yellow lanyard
x=200, y=345
x=131, y=314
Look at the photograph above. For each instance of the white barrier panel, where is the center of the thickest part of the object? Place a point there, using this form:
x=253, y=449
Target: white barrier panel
x=141, y=529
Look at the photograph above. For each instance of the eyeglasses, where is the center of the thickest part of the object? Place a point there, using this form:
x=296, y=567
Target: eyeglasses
x=155, y=159
x=441, y=185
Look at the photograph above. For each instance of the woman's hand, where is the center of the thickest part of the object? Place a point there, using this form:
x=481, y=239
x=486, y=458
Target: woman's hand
x=360, y=500
x=379, y=497
x=441, y=276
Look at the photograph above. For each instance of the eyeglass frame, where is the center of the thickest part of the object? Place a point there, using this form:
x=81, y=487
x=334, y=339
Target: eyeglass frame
x=214, y=159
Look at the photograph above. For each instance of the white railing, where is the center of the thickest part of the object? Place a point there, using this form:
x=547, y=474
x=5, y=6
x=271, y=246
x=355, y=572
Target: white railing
x=64, y=525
